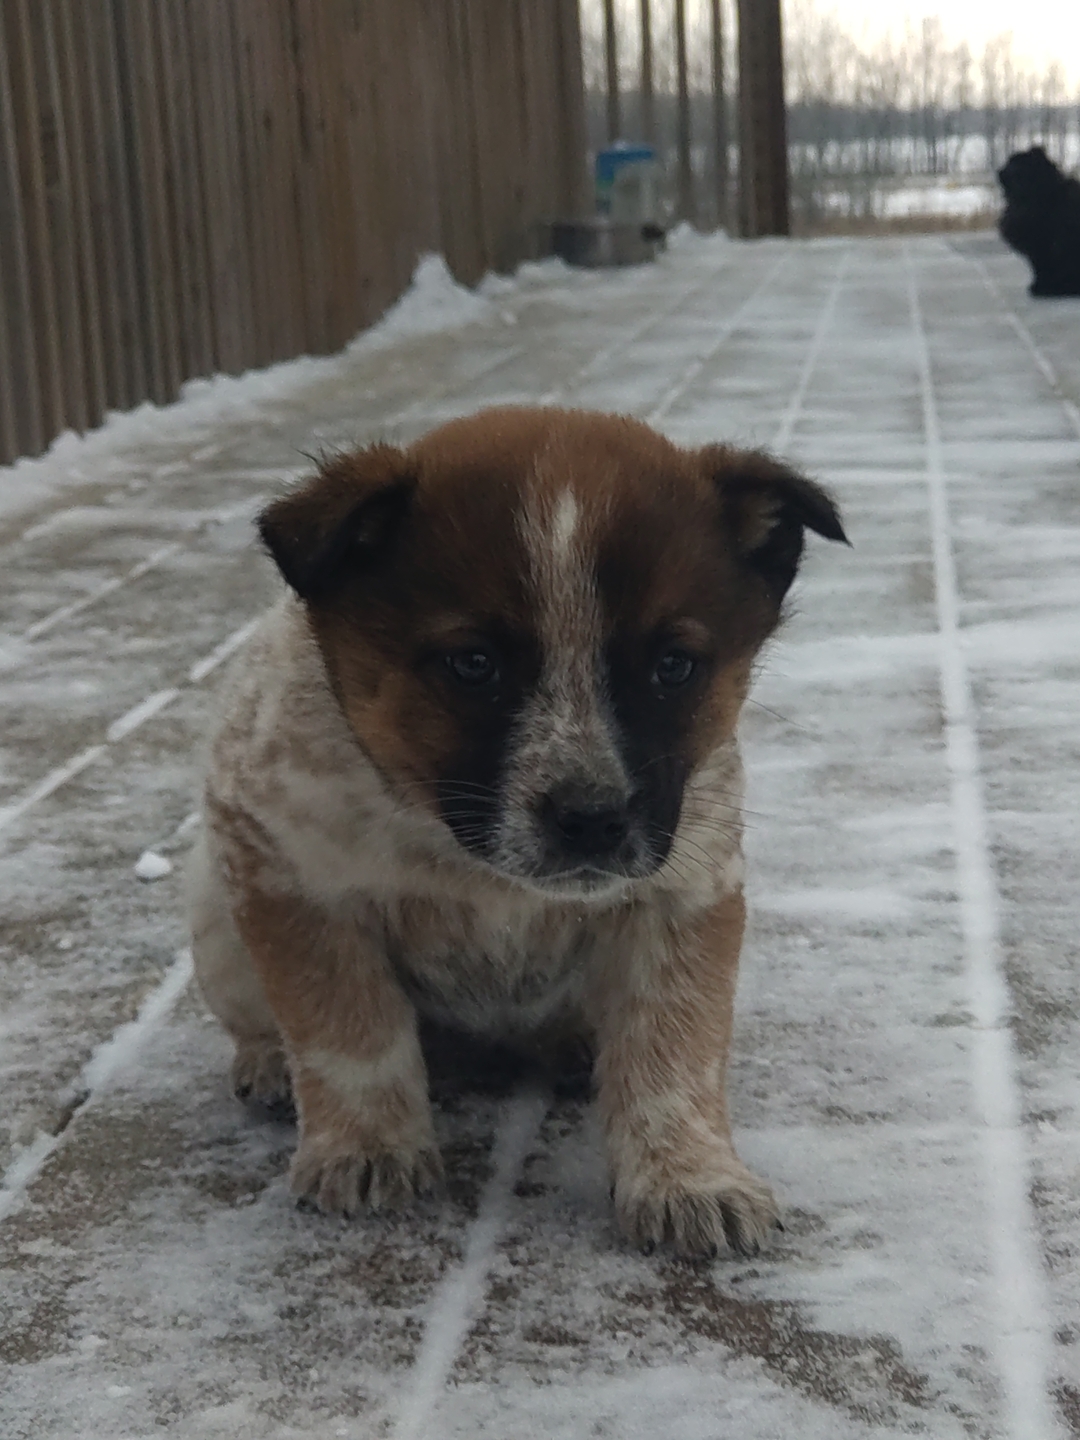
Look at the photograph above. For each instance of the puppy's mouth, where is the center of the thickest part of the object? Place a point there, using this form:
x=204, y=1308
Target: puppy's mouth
x=556, y=876
x=562, y=853
x=583, y=882
x=586, y=880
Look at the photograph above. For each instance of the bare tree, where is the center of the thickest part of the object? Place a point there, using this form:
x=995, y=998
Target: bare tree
x=1052, y=113
x=862, y=114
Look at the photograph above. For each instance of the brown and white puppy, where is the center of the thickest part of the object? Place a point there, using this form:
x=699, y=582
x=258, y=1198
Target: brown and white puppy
x=479, y=764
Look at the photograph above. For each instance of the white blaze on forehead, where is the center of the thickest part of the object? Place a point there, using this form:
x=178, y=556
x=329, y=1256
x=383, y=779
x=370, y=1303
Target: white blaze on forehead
x=564, y=525
x=567, y=614
x=565, y=732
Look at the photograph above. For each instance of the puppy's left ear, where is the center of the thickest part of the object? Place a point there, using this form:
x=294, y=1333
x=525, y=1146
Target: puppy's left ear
x=767, y=507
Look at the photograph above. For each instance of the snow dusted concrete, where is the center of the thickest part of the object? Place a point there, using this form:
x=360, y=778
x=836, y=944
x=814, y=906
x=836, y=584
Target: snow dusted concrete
x=907, y=1067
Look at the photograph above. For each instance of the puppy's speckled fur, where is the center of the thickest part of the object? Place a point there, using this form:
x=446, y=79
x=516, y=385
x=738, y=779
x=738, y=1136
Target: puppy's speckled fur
x=479, y=764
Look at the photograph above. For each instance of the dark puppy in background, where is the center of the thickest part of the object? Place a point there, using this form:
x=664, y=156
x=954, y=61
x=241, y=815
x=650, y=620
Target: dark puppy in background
x=479, y=767
x=1042, y=220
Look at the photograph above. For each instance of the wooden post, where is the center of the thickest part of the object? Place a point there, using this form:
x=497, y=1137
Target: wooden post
x=685, y=174
x=763, y=158
x=720, y=126
x=611, y=60
x=648, y=99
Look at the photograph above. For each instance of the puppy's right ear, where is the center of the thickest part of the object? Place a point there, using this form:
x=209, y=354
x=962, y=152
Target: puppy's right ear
x=340, y=522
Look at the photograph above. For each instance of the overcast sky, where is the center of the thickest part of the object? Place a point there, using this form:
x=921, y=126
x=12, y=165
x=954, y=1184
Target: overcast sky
x=1043, y=30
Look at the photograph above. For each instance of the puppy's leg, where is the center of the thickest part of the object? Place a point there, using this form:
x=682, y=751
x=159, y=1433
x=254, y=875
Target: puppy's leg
x=664, y=1025
x=232, y=989
x=366, y=1135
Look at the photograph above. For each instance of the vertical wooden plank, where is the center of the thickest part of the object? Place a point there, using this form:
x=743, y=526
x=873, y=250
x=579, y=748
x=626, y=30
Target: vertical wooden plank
x=211, y=56
x=115, y=206
x=371, y=162
x=334, y=36
x=428, y=58
x=684, y=168
x=384, y=203
x=186, y=209
x=24, y=23
x=443, y=115
x=611, y=73
x=403, y=205
x=315, y=85
x=63, y=218
x=247, y=200
x=9, y=361
x=472, y=168
x=162, y=204
x=280, y=123
x=457, y=158
x=148, y=320
x=81, y=158
x=719, y=108
x=569, y=124
x=274, y=214
x=205, y=180
x=527, y=197
x=648, y=98
x=413, y=147
x=312, y=237
x=22, y=404
x=505, y=120
x=102, y=249
x=272, y=303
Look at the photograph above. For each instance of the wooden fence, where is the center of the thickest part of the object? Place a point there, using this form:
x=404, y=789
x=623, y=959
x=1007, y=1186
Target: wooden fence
x=191, y=186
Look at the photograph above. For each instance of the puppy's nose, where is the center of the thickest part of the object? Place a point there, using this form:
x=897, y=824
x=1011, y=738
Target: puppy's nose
x=586, y=826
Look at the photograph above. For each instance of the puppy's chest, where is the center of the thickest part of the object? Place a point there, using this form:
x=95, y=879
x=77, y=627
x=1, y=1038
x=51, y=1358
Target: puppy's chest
x=489, y=968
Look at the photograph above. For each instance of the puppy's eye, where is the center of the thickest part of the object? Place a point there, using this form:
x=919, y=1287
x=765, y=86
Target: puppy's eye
x=673, y=669
x=473, y=667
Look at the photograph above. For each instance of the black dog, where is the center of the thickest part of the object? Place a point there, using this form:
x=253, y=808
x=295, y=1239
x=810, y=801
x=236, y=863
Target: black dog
x=1042, y=220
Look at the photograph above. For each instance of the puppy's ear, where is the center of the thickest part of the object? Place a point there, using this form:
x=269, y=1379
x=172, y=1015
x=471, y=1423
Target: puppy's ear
x=767, y=507
x=340, y=522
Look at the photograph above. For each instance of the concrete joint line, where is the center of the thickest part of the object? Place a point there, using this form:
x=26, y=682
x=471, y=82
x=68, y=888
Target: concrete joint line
x=108, y=1060
x=1022, y=1344
x=1038, y=355
x=695, y=367
x=460, y=1294
x=123, y=726
x=798, y=399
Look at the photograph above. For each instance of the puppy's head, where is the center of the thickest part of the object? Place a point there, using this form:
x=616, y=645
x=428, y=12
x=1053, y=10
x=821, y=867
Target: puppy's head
x=1029, y=174
x=540, y=623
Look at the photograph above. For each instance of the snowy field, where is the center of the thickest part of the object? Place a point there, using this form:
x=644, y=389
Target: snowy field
x=957, y=198
x=907, y=1060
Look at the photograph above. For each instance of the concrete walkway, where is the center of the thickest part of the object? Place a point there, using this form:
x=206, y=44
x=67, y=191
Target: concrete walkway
x=907, y=1068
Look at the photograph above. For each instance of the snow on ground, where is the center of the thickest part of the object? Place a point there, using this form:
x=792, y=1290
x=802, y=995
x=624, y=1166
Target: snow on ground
x=907, y=1067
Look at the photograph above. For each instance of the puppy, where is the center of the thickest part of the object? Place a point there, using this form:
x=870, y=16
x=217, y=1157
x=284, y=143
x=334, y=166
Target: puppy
x=1041, y=220
x=479, y=765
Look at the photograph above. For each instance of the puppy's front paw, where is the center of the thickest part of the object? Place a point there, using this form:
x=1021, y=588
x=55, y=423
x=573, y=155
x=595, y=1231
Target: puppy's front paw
x=701, y=1215
x=260, y=1076
x=344, y=1183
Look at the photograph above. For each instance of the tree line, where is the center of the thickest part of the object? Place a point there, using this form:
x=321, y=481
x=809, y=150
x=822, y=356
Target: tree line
x=862, y=115
x=914, y=103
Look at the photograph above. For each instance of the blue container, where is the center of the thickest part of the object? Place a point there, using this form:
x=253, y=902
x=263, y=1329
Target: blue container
x=613, y=159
